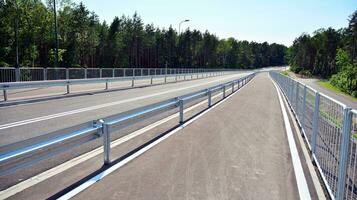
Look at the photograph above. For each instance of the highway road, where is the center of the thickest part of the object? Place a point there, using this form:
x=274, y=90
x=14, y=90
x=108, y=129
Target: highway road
x=28, y=120
x=60, y=91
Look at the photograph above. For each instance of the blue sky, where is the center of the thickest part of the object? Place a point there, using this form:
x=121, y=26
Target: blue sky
x=279, y=21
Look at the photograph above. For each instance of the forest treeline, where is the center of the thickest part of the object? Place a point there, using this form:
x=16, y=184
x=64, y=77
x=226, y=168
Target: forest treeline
x=329, y=54
x=85, y=41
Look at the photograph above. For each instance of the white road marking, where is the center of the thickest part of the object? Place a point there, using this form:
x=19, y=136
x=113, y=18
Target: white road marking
x=298, y=170
x=76, y=111
x=82, y=158
x=100, y=176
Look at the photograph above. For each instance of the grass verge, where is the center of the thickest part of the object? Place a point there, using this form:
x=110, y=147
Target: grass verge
x=326, y=84
x=286, y=73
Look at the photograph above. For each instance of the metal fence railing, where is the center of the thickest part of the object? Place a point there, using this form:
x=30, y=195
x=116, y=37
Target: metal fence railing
x=330, y=129
x=11, y=74
x=131, y=75
x=23, y=154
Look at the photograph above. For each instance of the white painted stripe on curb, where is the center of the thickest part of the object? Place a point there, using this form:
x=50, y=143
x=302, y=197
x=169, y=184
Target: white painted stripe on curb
x=96, y=107
x=298, y=170
x=100, y=176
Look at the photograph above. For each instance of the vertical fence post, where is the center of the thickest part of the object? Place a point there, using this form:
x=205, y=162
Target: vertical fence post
x=232, y=87
x=303, y=109
x=106, y=143
x=113, y=73
x=344, y=147
x=132, y=81
x=44, y=70
x=315, y=122
x=209, y=98
x=17, y=74
x=100, y=73
x=85, y=73
x=297, y=99
x=180, y=102
x=67, y=87
x=67, y=73
x=150, y=80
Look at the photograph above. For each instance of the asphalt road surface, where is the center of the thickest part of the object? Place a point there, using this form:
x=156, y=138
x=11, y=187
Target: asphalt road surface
x=239, y=150
x=24, y=121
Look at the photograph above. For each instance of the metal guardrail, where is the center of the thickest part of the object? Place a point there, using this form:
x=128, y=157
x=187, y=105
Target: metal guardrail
x=330, y=129
x=68, y=82
x=12, y=74
x=20, y=155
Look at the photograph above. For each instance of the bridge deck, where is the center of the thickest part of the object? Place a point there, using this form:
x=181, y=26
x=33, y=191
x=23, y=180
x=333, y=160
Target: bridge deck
x=239, y=150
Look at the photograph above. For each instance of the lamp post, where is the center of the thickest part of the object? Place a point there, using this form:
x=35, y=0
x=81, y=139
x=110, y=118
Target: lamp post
x=179, y=33
x=186, y=20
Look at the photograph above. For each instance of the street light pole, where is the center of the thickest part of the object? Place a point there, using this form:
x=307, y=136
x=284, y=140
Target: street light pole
x=56, y=35
x=179, y=33
x=186, y=20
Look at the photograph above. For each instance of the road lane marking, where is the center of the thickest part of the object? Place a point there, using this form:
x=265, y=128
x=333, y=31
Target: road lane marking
x=91, y=108
x=82, y=158
x=298, y=170
x=108, y=171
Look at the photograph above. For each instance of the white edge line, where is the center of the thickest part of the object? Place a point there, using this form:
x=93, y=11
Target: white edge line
x=100, y=106
x=100, y=176
x=298, y=170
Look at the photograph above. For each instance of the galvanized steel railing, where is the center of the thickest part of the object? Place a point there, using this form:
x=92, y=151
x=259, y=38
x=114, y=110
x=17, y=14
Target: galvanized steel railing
x=330, y=129
x=136, y=74
x=20, y=155
x=11, y=74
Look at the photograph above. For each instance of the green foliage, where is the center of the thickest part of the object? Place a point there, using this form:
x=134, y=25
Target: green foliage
x=84, y=41
x=328, y=54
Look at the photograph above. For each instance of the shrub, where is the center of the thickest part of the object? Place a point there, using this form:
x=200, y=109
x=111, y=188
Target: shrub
x=305, y=73
x=295, y=69
x=346, y=79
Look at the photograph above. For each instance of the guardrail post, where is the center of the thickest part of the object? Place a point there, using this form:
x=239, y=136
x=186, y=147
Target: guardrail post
x=44, y=70
x=5, y=95
x=209, y=98
x=150, y=80
x=100, y=73
x=132, y=81
x=303, y=109
x=344, y=149
x=85, y=73
x=113, y=72
x=224, y=91
x=106, y=143
x=67, y=87
x=17, y=74
x=106, y=84
x=315, y=122
x=180, y=102
x=232, y=87
x=141, y=72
